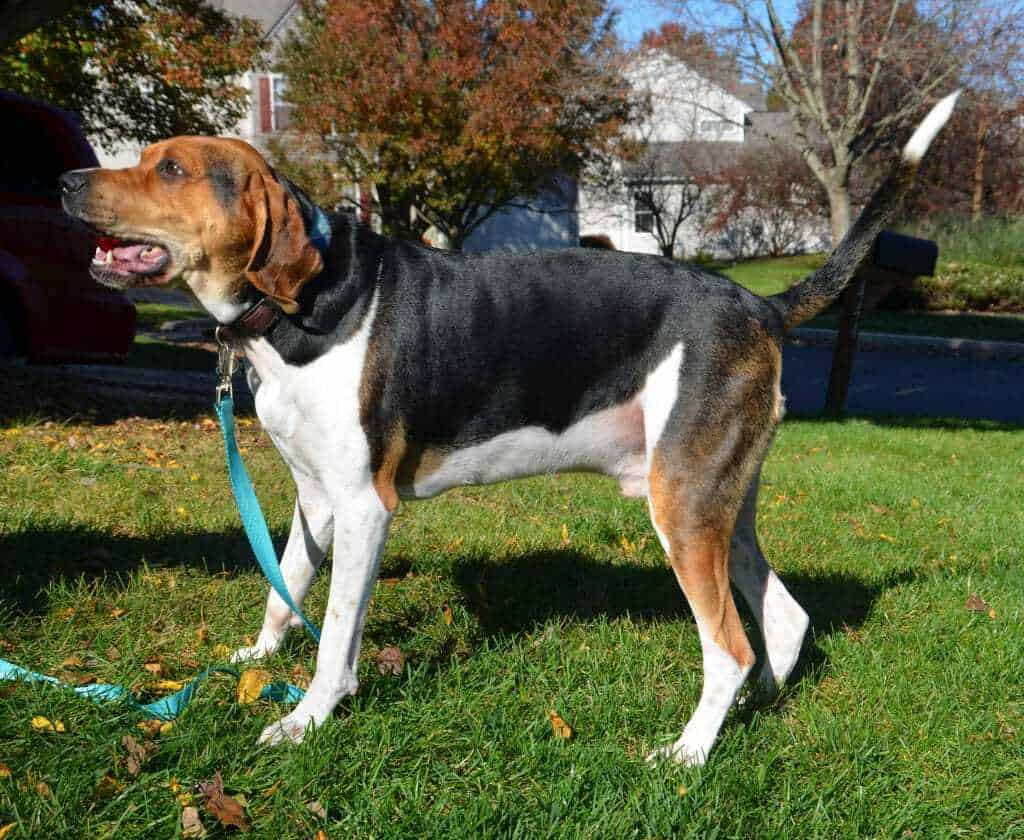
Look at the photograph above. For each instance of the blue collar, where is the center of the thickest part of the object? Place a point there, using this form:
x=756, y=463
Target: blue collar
x=320, y=235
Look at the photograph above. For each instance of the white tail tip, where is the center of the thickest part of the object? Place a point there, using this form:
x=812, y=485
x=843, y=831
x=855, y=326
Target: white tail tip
x=926, y=131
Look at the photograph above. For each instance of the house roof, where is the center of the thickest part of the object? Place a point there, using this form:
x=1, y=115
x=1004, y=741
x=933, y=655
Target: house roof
x=270, y=14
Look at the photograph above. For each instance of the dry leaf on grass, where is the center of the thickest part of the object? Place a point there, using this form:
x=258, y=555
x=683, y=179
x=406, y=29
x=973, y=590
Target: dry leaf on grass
x=168, y=685
x=446, y=611
x=41, y=724
x=300, y=676
x=250, y=684
x=224, y=808
x=317, y=809
x=108, y=787
x=150, y=728
x=113, y=654
x=976, y=604
x=390, y=660
x=43, y=790
x=5, y=771
x=137, y=754
x=6, y=829
x=72, y=662
x=155, y=668
x=191, y=824
x=559, y=727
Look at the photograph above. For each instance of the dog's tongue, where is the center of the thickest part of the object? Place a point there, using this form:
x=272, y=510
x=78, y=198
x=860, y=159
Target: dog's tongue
x=130, y=253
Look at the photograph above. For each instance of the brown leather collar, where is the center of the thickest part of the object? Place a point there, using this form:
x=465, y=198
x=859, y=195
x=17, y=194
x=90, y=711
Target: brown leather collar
x=255, y=321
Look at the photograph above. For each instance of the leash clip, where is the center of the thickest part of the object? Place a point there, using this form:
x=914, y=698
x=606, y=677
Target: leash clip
x=225, y=367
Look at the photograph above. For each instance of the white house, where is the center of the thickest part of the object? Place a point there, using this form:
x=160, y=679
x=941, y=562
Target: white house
x=693, y=124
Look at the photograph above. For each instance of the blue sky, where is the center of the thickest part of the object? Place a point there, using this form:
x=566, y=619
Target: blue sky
x=637, y=16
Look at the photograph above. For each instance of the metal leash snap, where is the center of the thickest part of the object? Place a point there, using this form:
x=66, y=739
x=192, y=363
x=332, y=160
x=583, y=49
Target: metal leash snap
x=225, y=367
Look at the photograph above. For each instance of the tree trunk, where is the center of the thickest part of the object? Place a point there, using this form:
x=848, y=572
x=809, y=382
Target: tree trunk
x=978, y=196
x=839, y=210
x=668, y=250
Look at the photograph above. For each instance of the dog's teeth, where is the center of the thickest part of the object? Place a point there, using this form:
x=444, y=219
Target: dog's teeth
x=110, y=257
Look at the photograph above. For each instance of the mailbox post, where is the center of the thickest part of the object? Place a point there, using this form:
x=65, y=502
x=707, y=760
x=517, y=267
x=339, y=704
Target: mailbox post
x=895, y=261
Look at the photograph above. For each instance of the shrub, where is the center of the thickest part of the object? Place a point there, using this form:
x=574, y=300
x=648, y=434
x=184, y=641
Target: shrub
x=974, y=286
x=991, y=241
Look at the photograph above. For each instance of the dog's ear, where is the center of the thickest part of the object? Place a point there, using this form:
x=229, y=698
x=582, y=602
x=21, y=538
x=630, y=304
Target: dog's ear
x=282, y=259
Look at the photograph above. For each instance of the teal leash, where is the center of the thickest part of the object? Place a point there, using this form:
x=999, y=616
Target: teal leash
x=171, y=706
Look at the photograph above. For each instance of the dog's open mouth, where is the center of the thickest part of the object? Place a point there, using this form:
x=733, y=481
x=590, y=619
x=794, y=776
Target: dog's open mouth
x=130, y=264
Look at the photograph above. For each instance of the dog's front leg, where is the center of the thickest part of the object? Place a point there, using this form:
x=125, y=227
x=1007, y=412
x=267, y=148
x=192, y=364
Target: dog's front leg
x=360, y=527
x=308, y=542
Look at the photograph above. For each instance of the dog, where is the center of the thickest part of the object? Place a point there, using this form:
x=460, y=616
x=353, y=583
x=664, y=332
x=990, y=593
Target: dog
x=385, y=370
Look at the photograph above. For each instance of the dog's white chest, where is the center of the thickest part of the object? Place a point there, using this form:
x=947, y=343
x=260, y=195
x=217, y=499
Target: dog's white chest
x=311, y=412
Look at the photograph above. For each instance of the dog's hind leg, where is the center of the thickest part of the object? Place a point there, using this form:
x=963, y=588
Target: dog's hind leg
x=782, y=621
x=360, y=528
x=699, y=473
x=308, y=542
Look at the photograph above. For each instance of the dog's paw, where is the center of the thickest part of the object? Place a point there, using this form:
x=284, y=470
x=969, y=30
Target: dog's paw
x=678, y=753
x=289, y=728
x=249, y=654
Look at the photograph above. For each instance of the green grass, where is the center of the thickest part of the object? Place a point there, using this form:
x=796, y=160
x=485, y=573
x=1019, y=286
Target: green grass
x=149, y=316
x=990, y=241
x=770, y=276
x=149, y=352
x=905, y=717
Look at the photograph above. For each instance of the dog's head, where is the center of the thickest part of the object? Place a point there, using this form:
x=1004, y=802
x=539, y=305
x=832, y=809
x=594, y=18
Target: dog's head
x=208, y=210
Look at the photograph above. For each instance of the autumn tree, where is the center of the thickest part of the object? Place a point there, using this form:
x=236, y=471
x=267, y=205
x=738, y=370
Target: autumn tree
x=137, y=70
x=447, y=111
x=856, y=75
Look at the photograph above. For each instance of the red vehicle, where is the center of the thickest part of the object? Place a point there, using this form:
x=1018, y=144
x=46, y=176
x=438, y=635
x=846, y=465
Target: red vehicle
x=50, y=309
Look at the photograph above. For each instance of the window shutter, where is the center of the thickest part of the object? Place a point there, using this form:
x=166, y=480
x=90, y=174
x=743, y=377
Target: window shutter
x=266, y=106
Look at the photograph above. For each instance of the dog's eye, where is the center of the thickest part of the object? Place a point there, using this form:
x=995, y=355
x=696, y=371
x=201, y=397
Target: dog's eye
x=169, y=168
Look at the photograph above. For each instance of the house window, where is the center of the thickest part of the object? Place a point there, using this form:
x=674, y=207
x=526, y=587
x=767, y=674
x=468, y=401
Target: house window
x=282, y=109
x=715, y=126
x=643, y=212
x=275, y=114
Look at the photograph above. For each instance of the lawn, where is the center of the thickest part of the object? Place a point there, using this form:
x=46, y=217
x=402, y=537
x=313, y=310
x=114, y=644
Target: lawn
x=121, y=548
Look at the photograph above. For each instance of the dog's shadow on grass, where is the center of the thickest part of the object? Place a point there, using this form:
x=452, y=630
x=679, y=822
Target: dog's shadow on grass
x=526, y=591
x=510, y=598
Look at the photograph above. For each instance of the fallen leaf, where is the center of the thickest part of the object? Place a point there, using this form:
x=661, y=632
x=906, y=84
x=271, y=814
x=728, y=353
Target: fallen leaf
x=150, y=728
x=250, y=684
x=976, y=604
x=683, y=790
x=321, y=835
x=300, y=676
x=72, y=662
x=887, y=538
x=66, y=613
x=117, y=612
x=559, y=727
x=565, y=534
x=43, y=790
x=317, y=809
x=191, y=824
x=113, y=654
x=221, y=651
x=202, y=633
x=446, y=611
x=108, y=787
x=166, y=727
x=155, y=668
x=42, y=724
x=226, y=809
x=6, y=829
x=5, y=771
x=168, y=685
x=390, y=660
x=183, y=796
x=270, y=791
x=137, y=754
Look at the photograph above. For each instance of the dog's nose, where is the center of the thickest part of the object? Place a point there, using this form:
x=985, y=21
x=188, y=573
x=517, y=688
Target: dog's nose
x=73, y=182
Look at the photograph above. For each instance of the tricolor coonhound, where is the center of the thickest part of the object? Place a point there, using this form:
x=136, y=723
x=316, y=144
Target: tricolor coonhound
x=387, y=370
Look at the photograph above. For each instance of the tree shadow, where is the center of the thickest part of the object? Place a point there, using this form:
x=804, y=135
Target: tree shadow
x=36, y=558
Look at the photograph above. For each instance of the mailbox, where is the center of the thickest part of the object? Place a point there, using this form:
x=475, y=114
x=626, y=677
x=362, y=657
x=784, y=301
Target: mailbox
x=894, y=264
